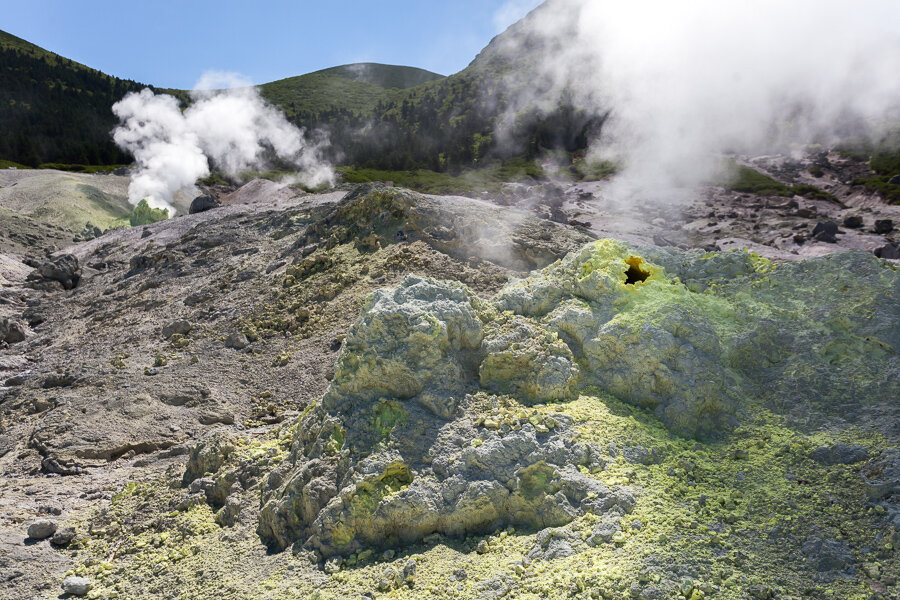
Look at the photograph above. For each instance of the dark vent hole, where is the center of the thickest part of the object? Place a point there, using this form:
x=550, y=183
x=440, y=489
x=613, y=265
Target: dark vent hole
x=636, y=272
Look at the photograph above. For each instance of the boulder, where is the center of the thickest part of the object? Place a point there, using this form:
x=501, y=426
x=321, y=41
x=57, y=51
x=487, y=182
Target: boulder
x=882, y=475
x=77, y=586
x=888, y=251
x=853, y=221
x=11, y=332
x=883, y=226
x=237, y=341
x=826, y=231
x=62, y=271
x=63, y=537
x=180, y=327
x=42, y=529
x=839, y=454
x=203, y=203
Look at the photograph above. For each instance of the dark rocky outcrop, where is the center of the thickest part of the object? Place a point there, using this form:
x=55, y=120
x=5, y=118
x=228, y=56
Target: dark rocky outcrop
x=60, y=272
x=203, y=203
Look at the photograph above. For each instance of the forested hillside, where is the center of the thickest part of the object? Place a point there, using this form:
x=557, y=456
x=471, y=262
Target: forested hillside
x=55, y=110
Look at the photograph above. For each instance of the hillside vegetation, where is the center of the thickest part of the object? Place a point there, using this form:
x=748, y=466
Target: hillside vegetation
x=53, y=109
x=356, y=87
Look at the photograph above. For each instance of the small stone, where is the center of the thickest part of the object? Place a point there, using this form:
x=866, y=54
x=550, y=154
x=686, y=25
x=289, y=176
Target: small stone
x=77, y=586
x=63, y=537
x=873, y=571
x=41, y=529
x=604, y=532
x=482, y=547
x=827, y=555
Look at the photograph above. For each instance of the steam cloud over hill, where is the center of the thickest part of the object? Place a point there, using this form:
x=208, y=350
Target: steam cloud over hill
x=684, y=81
x=232, y=128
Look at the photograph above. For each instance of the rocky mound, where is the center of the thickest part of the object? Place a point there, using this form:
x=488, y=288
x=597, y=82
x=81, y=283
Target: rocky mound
x=406, y=442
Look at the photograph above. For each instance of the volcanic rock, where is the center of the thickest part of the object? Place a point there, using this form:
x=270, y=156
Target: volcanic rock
x=853, y=221
x=42, y=529
x=62, y=271
x=883, y=226
x=63, y=536
x=827, y=555
x=180, y=327
x=237, y=341
x=203, y=203
x=882, y=474
x=89, y=232
x=889, y=251
x=839, y=454
x=77, y=586
x=826, y=231
x=420, y=345
x=11, y=332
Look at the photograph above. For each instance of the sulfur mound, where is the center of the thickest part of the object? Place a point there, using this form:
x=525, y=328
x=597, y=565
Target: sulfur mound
x=395, y=450
x=410, y=438
x=526, y=360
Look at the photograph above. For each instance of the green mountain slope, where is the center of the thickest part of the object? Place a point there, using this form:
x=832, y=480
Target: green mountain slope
x=356, y=87
x=452, y=123
x=53, y=109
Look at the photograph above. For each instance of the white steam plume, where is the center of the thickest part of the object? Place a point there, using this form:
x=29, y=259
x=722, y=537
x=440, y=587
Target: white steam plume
x=231, y=127
x=684, y=82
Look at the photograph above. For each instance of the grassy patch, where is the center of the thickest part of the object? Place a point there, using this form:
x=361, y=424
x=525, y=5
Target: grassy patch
x=886, y=165
x=589, y=170
x=6, y=164
x=487, y=179
x=750, y=181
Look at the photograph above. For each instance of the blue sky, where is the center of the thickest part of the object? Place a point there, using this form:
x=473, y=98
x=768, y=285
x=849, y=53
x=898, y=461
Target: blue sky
x=171, y=43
